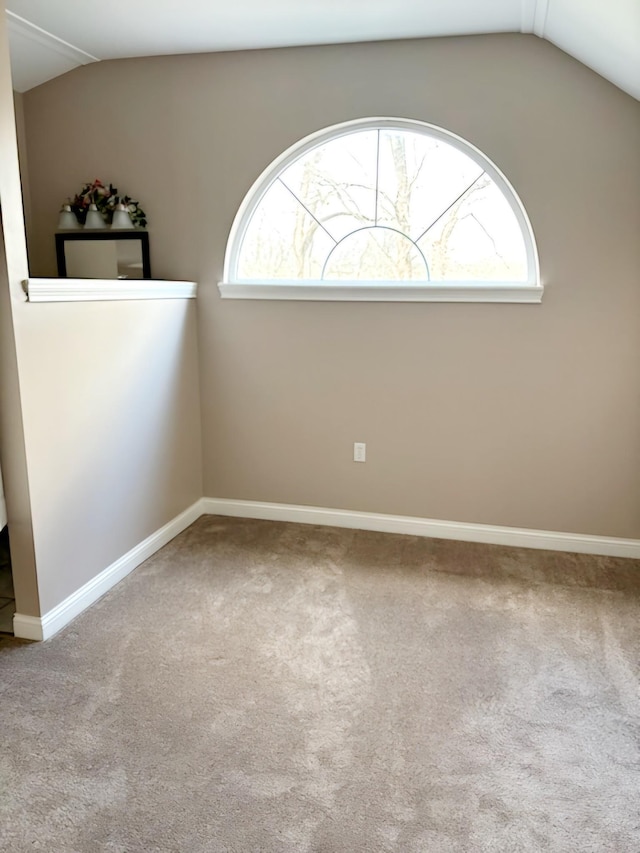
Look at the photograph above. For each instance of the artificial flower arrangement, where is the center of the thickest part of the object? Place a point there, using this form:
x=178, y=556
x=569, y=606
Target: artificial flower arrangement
x=106, y=199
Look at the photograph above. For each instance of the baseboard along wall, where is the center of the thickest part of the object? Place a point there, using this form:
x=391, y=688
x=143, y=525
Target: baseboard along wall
x=521, y=537
x=44, y=627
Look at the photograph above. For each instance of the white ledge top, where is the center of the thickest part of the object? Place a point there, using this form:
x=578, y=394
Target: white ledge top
x=384, y=292
x=105, y=290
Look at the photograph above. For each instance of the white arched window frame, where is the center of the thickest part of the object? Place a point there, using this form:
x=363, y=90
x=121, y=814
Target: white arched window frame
x=528, y=290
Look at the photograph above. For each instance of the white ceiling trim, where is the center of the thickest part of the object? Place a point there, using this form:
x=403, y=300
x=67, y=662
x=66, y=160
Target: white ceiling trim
x=31, y=32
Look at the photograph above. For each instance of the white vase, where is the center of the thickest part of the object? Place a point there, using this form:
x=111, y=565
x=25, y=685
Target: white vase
x=121, y=219
x=67, y=220
x=95, y=219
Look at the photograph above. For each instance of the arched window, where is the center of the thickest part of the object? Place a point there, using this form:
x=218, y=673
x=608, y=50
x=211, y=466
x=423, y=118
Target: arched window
x=382, y=209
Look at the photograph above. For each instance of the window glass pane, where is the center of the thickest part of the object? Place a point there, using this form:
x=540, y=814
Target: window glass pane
x=336, y=182
x=384, y=204
x=282, y=241
x=376, y=254
x=419, y=177
x=479, y=238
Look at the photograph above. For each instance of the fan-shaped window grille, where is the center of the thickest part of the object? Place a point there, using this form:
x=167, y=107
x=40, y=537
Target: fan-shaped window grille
x=382, y=208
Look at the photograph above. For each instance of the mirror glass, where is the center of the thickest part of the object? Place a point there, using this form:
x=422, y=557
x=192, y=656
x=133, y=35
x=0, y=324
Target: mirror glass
x=103, y=259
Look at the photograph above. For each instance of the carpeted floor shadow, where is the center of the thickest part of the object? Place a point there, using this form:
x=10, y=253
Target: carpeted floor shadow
x=258, y=686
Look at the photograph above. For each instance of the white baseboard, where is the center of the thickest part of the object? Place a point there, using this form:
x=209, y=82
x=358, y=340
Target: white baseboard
x=27, y=627
x=44, y=627
x=488, y=533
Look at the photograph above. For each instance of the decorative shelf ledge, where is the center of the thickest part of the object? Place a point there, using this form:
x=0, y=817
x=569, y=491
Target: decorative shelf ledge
x=105, y=290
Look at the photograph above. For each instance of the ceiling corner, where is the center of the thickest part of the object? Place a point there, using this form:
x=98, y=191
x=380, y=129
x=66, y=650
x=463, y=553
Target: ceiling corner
x=38, y=56
x=527, y=15
x=533, y=16
x=540, y=17
x=30, y=32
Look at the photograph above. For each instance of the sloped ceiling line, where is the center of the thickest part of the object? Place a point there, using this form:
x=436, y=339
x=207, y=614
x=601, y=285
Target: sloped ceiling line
x=603, y=36
x=41, y=37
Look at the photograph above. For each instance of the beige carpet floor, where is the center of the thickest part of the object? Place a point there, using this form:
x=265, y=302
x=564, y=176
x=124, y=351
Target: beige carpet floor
x=271, y=687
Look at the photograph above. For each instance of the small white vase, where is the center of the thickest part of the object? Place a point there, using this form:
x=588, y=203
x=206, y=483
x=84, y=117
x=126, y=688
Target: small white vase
x=121, y=219
x=67, y=220
x=95, y=219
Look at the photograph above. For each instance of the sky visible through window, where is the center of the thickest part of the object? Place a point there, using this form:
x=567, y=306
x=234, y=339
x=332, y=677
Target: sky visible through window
x=383, y=205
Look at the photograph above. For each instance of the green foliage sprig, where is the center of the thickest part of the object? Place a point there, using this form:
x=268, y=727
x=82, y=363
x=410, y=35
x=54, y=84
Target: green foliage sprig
x=105, y=198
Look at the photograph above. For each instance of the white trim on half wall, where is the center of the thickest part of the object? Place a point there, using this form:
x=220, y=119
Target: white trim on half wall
x=105, y=290
x=547, y=540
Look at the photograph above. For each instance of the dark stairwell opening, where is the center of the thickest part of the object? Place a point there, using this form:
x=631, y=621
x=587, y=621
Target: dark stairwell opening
x=7, y=598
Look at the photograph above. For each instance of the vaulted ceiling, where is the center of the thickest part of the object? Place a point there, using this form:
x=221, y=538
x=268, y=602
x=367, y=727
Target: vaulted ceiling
x=50, y=38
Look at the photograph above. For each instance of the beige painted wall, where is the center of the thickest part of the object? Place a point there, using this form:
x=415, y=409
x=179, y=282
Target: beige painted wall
x=13, y=456
x=13, y=268
x=505, y=414
x=18, y=102
x=99, y=413
x=112, y=428
x=111, y=420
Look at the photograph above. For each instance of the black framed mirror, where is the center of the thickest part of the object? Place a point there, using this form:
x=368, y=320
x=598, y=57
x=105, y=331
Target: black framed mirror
x=103, y=254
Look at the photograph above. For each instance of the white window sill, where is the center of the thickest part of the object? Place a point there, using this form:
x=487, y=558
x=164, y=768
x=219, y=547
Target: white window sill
x=106, y=290
x=383, y=292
